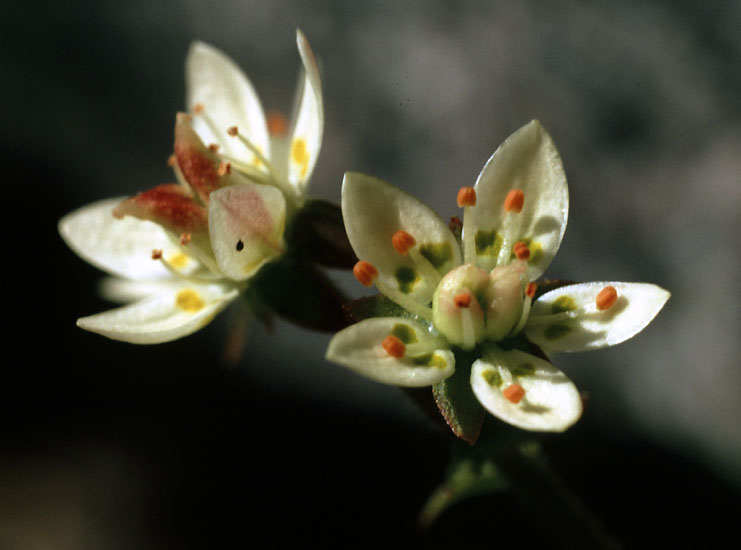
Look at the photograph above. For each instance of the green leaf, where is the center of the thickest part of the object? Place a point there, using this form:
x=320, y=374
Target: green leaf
x=456, y=401
x=376, y=306
x=301, y=293
x=317, y=234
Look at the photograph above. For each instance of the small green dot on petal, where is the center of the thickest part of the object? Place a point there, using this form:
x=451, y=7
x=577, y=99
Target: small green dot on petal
x=492, y=377
x=405, y=333
x=407, y=278
x=437, y=254
x=488, y=243
x=524, y=369
x=562, y=304
x=430, y=360
x=555, y=332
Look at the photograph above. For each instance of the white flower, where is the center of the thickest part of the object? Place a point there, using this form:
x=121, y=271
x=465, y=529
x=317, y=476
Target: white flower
x=216, y=227
x=478, y=294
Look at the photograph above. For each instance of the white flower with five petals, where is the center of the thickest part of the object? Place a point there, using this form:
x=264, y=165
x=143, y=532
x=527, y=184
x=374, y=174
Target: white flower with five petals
x=477, y=294
x=215, y=228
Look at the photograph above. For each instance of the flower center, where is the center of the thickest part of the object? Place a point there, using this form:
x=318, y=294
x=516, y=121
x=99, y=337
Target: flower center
x=471, y=305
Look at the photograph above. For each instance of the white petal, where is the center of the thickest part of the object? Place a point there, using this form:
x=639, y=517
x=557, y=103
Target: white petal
x=551, y=402
x=246, y=223
x=528, y=161
x=373, y=211
x=214, y=81
x=308, y=124
x=173, y=313
x=121, y=246
x=359, y=348
x=125, y=291
x=586, y=327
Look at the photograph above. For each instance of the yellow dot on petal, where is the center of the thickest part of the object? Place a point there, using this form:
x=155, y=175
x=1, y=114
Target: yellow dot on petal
x=300, y=155
x=178, y=260
x=189, y=300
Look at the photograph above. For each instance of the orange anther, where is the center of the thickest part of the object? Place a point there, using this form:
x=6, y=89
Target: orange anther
x=172, y=160
x=514, y=201
x=365, y=273
x=514, y=393
x=462, y=300
x=214, y=147
x=182, y=117
x=393, y=346
x=277, y=123
x=530, y=290
x=156, y=254
x=521, y=250
x=232, y=131
x=184, y=238
x=606, y=298
x=224, y=168
x=198, y=108
x=466, y=197
x=402, y=241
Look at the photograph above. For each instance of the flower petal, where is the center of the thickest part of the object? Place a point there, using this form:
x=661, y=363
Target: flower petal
x=527, y=161
x=308, y=124
x=121, y=246
x=359, y=347
x=374, y=211
x=246, y=223
x=551, y=402
x=228, y=99
x=170, y=314
x=567, y=319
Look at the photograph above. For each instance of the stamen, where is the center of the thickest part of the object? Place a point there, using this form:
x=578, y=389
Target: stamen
x=393, y=346
x=214, y=147
x=530, y=290
x=466, y=197
x=184, y=238
x=402, y=241
x=198, y=108
x=365, y=273
x=224, y=169
x=521, y=250
x=606, y=298
x=514, y=201
x=183, y=117
x=514, y=393
x=172, y=160
x=462, y=300
x=156, y=254
x=233, y=131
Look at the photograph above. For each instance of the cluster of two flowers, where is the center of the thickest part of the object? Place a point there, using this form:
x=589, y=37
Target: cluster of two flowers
x=238, y=183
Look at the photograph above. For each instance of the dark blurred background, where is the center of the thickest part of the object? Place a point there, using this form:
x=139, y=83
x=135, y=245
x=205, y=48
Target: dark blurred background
x=113, y=446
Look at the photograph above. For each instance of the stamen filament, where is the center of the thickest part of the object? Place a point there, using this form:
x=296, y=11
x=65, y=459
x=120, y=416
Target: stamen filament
x=234, y=132
x=469, y=332
x=523, y=317
x=427, y=346
x=426, y=268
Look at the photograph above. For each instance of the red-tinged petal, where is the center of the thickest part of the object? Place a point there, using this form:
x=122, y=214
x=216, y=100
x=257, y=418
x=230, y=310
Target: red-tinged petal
x=197, y=162
x=168, y=205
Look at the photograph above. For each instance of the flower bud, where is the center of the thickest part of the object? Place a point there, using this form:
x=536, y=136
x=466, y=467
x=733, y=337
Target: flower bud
x=455, y=316
x=504, y=299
